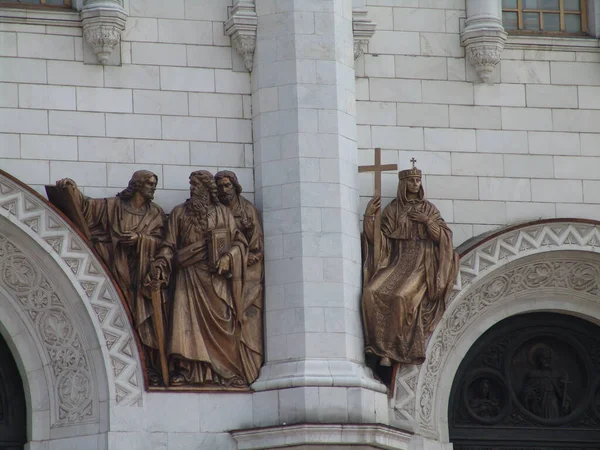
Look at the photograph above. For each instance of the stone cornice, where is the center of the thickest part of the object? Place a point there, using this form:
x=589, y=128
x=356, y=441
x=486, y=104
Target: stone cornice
x=367, y=435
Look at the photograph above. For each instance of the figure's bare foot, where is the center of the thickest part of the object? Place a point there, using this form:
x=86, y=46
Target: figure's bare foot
x=385, y=362
x=153, y=379
x=176, y=379
x=238, y=382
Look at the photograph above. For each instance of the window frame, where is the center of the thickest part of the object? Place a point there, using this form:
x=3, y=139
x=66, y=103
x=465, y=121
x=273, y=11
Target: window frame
x=582, y=12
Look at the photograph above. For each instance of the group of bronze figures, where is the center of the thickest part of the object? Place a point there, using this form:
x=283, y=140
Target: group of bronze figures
x=193, y=281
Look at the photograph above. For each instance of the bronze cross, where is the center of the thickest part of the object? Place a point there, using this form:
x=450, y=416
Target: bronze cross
x=413, y=161
x=377, y=168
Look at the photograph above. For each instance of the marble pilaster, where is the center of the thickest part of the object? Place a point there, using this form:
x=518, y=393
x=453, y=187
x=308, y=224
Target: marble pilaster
x=304, y=121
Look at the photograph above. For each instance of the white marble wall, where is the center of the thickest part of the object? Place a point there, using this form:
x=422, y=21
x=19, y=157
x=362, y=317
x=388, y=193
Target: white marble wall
x=521, y=149
x=179, y=102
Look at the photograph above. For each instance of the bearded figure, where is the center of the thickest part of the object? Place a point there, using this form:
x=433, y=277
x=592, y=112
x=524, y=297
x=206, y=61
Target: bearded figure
x=207, y=296
x=248, y=222
x=405, y=290
x=126, y=231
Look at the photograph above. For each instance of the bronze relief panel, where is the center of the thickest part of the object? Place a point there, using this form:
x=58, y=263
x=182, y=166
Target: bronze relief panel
x=531, y=381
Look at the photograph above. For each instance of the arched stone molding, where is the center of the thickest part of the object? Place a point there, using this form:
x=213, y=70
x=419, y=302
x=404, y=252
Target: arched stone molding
x=526, y=268
x=69, y=263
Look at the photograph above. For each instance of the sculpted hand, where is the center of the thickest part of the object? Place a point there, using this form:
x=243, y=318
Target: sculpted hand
x=418, y=217
x=129, y=238
x=224, y=265
x=63, y=183
x=157, y=269
x=253, y=259
x=373, y=206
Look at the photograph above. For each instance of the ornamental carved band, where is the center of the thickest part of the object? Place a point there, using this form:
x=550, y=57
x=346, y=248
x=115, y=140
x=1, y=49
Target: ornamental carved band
x=74, y=388
x=467, y=306
x=51, y=232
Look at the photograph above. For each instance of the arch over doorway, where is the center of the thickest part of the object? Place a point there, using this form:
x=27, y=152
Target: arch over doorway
x=529, y=382
x=13, y=419
x=490, y=288
x=63, y=320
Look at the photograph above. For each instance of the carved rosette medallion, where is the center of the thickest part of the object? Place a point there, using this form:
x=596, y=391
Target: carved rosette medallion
x=38, y=298
x=55, y=328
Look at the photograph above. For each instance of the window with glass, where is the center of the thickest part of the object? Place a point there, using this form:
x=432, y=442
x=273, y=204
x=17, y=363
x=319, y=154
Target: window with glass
x=54, y=3
x=545, y=16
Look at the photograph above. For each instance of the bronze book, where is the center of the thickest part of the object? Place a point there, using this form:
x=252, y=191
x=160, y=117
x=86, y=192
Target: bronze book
x=219, y=242
x=64, y=199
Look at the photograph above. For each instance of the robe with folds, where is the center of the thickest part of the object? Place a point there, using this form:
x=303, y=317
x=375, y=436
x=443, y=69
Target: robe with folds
x=108, y=219
x=248, y=221
x=204, y=335
x=405, y=291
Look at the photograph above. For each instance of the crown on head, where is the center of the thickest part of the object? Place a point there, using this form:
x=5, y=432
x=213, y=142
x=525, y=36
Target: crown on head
x=413, y=172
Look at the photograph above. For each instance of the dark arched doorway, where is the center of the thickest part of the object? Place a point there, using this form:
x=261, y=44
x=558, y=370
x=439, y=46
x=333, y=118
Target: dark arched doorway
x=13, y=423
x=530, y=382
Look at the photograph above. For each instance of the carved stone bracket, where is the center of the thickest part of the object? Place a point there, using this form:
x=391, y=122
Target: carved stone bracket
x=242, y=26
x=483, y=37
x=103, y=22
x=363, y=29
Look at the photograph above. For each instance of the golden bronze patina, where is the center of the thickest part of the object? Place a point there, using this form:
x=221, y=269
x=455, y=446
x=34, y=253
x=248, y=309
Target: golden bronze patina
x=407, y=280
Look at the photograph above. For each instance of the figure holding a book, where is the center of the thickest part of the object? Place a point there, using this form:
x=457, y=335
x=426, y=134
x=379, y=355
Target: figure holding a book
x=126, y=231
x=203, y=256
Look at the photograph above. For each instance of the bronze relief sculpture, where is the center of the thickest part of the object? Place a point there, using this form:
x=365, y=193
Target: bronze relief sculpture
x=409, y=269
x=126, y=232
x=201, y=269
x=248, y=222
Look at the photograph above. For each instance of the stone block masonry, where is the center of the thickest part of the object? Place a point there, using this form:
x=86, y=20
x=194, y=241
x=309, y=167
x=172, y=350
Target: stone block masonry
x=523, y=147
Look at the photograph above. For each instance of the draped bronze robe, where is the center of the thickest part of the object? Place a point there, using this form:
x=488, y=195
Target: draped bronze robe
x=108, y=219
x=204, y=335
x=405, y=291
x=248, y=221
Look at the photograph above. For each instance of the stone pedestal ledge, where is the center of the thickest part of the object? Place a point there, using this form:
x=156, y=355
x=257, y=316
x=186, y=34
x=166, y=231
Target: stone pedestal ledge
x=316, y=372
x=103, y=22
x=371, y=436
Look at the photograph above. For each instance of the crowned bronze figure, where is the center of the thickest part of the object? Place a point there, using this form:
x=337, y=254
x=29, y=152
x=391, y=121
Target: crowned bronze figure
x=407, y=280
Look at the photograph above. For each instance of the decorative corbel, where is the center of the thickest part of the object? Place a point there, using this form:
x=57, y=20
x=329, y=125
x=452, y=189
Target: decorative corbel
x=242, y=26
x=103, y=21
x=483, y=36
x=363, y=29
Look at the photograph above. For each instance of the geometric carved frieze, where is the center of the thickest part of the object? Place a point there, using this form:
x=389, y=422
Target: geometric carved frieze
x=483, y=284
x=33, y=215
